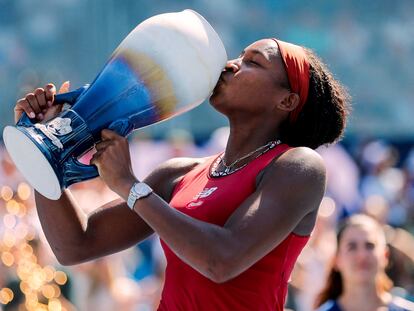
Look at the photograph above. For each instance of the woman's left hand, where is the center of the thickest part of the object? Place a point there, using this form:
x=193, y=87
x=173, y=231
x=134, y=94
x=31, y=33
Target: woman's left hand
x=113, y=160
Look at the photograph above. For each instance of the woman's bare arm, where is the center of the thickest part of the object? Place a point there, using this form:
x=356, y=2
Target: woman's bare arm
x=76, y=237
x=291, y=189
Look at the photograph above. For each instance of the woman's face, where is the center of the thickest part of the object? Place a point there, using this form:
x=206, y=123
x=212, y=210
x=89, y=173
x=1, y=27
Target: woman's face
x=252, y=82
x=361, y=255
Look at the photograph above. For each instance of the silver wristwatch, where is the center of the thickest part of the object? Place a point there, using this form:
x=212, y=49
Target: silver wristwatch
x=138, y=190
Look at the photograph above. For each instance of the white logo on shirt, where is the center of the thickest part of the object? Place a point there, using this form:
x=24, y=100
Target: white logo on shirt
x=201, y=195
x=205, y=193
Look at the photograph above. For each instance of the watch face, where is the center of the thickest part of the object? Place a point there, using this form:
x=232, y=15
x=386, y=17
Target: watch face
x=142, y=189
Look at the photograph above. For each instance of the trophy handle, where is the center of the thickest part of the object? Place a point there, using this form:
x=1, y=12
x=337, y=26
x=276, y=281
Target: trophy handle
x=64, y=98
x=75, y=171
x=70, y=97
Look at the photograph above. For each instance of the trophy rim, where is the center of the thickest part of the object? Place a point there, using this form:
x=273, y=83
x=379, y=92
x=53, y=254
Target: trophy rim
x=32, y=162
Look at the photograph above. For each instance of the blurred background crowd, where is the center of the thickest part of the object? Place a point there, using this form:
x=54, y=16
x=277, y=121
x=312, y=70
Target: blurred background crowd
x=367, y=44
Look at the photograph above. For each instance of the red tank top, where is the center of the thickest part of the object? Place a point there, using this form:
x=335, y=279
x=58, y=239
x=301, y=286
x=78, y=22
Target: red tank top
x=261, y=287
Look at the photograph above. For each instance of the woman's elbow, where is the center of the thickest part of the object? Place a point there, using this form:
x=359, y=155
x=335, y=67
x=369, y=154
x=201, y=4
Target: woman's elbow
x=72, y=260
x=66, y=262
x=70, y=257
x=66, y=259
x=223, y=270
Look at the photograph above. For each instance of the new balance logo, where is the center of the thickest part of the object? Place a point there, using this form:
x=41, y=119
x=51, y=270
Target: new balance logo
x=205, y=193
x=201, y=195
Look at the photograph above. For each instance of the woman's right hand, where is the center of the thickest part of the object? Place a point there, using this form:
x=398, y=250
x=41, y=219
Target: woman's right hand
x=39, y=104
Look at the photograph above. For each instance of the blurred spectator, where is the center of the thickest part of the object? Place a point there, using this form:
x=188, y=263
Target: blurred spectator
x=343, y=180
x=383, y=178
x=401, y=261
x=357, y=279
x=408, y=192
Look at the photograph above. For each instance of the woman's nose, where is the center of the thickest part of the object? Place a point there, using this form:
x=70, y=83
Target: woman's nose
x=362, y=253
x=233, y=65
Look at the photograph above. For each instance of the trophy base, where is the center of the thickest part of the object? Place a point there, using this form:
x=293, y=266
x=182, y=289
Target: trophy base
x=32, y=163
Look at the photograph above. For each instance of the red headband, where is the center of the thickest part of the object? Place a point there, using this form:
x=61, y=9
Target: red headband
x=297, y=69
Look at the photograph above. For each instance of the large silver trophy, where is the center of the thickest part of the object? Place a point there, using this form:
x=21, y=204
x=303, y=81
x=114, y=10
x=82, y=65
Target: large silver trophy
x=167, y=65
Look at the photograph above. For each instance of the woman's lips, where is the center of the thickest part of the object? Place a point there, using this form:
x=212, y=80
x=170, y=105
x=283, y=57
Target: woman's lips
x=221, y=79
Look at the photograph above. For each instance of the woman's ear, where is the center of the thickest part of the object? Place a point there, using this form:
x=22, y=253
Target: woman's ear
x=289, y=102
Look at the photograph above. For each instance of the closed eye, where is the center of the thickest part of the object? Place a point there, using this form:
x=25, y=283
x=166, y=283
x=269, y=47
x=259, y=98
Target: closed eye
x=250, y=61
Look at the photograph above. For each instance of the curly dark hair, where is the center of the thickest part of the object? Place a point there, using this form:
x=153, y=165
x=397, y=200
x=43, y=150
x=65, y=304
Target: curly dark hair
x=324, y=115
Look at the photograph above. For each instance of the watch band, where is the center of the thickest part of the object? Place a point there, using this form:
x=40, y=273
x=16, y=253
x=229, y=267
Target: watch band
x=138, y=191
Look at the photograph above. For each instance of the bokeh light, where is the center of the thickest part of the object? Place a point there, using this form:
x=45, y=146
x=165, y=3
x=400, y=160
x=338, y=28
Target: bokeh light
x=13, y=207
x=6, y=193
x=7, y=258
x=327, y=207
x=6, y=295
x=60, y=278
x=17, y=253
x=48, y=291
x=24, y=191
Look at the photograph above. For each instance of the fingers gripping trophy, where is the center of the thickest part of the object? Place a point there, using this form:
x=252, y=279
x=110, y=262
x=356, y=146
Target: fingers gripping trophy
x=167, y=65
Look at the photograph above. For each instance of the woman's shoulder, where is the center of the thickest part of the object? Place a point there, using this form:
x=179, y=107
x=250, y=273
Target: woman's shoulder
x=303, y=153
x=330, y=305
x=301, y=159
x=401, y=304
x=298, y=167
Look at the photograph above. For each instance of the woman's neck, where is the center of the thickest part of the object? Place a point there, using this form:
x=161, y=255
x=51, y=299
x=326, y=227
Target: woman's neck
x=244, y=139
x=361, y=297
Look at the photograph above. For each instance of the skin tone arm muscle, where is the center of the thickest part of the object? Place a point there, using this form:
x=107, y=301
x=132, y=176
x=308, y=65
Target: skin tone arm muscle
x=291, y=188
x=76, y=237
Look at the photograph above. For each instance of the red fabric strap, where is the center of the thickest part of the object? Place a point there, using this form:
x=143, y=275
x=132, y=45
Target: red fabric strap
x=297, y=69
